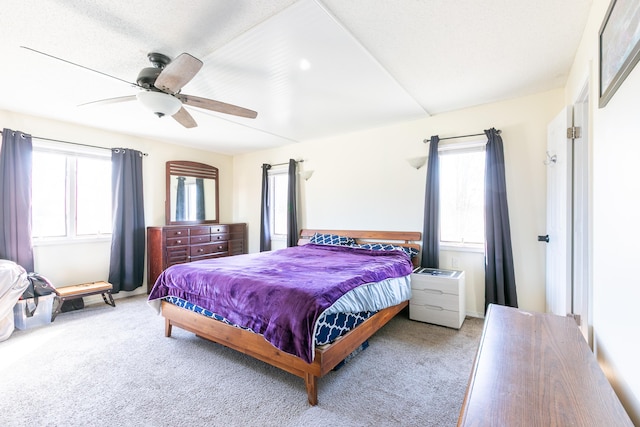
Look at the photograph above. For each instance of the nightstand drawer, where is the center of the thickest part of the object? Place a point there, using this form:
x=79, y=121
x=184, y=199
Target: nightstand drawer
x=436, y=315
x=447, y=282
x=434, y=297
x=447, y=287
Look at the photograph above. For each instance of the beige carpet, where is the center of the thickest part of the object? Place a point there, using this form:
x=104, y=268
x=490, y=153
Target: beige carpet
x=105, y=366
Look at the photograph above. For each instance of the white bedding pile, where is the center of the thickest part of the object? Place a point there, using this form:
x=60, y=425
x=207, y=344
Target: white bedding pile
x=13, y=282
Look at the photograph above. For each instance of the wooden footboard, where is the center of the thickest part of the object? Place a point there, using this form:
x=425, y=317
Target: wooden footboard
x=256, y=346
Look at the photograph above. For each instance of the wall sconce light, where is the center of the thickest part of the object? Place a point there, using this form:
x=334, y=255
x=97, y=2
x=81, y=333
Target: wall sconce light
x=417, y=162
x=306, y=175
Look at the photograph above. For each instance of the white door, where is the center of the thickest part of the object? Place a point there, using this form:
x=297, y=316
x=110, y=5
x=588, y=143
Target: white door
x=568, y=274
x=559, y=232
x=581, y=236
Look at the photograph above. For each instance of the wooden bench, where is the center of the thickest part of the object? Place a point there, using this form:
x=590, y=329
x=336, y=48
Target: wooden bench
x=68, y=293
x=536, y=369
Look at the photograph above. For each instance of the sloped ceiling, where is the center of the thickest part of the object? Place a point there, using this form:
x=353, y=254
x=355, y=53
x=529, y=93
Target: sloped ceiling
x=310, y=68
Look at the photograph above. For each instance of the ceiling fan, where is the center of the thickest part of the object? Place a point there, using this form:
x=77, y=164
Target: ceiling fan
x=160, y=87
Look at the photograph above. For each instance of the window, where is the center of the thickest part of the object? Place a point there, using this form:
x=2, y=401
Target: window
x=278, y=199
x=71, y=194
x=462, y=195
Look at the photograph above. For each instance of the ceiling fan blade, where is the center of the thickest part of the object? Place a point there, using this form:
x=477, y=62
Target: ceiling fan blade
x=220, y=107
x=110, y=100
x=184, y=118
x=81, y=66
x=178, y=73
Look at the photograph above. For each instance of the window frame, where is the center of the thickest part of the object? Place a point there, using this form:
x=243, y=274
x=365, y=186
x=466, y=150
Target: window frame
x=271, y=174
x=478, y=145
x=71, y=236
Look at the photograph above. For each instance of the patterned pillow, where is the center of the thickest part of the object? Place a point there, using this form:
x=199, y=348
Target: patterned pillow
x=331, y=239
x=412, y=252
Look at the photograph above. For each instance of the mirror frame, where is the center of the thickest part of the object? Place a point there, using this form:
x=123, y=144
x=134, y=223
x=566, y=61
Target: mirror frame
x=190, y=169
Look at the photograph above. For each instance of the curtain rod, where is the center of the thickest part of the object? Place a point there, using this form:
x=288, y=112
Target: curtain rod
x=281, y=164
x=73, y=143
x=461, y=136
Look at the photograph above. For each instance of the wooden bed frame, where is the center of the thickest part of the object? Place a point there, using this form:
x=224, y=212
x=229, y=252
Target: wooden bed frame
x=327, y=357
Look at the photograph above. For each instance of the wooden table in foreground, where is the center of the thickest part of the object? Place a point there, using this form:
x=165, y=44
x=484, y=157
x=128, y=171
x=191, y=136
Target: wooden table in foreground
x=536, y=369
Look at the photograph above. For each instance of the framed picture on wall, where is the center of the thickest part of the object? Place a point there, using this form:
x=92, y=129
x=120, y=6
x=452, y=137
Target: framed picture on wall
x=619, y=46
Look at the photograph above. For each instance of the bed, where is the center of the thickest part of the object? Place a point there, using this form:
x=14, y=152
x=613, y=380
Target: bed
x=188, y=294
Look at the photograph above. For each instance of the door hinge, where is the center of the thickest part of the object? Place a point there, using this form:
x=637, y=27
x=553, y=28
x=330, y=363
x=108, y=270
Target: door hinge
x=574, y=132
x=575, y=317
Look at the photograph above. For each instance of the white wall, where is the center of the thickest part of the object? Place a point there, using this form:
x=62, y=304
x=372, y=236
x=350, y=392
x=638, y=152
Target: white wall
x=615, y=187
x=362, y=181
x=80, y=262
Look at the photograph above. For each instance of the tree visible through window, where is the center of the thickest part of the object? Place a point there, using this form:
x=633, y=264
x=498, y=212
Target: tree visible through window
x=462, y=195
x=71, y=194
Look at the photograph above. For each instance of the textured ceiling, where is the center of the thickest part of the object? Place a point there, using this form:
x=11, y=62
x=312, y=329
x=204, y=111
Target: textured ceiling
x=309, y=68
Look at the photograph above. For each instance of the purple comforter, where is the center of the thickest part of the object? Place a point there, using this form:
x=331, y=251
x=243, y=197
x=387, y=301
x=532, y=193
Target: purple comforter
x=281, y=293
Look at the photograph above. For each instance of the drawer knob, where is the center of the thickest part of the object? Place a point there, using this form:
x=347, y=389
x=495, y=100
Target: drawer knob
x=219, y=247
x=178, y=233
x=200, y=250
x=178, y=241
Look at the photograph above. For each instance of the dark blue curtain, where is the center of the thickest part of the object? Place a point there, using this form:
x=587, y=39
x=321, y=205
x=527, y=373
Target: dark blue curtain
x=292, y=203
x=500, y=280
x=15, y=189
x=199, y=199
x=431, y=229
x=180, y=204
x=265, y=224
x=126, y=269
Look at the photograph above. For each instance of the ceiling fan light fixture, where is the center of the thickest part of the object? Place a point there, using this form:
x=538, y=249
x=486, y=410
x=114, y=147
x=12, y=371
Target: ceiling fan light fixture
x=161, y=104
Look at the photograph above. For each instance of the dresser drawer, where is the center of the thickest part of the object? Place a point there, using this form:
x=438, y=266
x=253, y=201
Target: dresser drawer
x=209, y=256
x=221, y=237
x=177, y=255
x=436, y=298
x=214, y=229
x=197, y=231
x=203, y=238
x=177, y=232
x=436, y=315
x=210, y=248
x=177, y=241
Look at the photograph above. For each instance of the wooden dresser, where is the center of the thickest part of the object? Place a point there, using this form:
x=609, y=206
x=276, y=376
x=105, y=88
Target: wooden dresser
x=536, y=369
x=176, y=244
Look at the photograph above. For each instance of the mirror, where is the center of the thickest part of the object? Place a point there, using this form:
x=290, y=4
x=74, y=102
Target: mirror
x=192, y=193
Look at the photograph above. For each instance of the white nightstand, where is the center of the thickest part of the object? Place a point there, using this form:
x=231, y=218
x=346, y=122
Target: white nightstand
x=438, y=297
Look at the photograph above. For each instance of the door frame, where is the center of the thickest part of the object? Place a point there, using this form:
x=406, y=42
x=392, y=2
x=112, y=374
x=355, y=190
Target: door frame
x=569, y=254
x=581, y=217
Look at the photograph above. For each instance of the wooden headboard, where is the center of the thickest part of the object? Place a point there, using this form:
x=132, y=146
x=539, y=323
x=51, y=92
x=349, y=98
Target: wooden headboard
x=411, y=239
